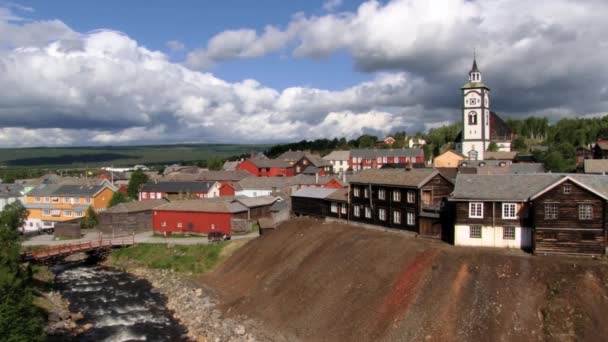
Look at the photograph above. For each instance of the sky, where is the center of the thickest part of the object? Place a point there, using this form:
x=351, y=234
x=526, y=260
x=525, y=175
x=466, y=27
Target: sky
x=82, y=73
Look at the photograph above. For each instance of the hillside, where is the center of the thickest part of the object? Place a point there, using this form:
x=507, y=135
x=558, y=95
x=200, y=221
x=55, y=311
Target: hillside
x=317, y=281
x=119, y=155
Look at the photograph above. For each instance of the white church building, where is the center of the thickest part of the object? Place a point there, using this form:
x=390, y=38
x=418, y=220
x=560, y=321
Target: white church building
x=481, y=126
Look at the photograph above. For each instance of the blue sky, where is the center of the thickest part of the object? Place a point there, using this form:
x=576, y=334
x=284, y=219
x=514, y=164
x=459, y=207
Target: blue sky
x=144, y=72
x=193, y=23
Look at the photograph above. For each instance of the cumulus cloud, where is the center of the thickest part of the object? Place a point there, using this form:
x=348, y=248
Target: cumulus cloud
x=102, y=87
x=536, y=54
x=175, y=45
x=331, y=5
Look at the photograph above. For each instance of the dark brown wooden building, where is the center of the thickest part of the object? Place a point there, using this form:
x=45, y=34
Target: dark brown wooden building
x=408, y=199
x=128, y=218
x=570, y=216
x=311, y=201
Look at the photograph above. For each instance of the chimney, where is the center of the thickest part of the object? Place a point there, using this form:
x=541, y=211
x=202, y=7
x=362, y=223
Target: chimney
x=408, y=166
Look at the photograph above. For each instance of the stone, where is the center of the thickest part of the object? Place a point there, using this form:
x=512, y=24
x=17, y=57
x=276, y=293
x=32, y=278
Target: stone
x=76, y=316
x=87, y=326
x=239, y=330
x=201, y=339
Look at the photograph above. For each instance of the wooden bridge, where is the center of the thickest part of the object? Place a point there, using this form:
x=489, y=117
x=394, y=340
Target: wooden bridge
x=55, y=254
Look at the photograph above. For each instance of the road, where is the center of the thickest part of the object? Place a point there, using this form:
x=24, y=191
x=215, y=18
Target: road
x=147, y=237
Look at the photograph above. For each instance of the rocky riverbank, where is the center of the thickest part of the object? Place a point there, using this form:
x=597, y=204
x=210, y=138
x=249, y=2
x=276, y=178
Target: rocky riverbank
x=196, y=308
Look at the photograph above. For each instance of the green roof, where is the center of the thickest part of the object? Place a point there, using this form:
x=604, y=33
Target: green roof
x=475, y=85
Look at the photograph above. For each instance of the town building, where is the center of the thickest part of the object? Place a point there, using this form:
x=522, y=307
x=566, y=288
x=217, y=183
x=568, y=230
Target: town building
x=264, y=167
x=339, y=161
x=481, y=126
x=10, y=193
x=48, y=204
x=304, y=162
x=600, y=149
x=408, y=199
x=363, y=159
x=595, y=166
x=449, y=158
x=128, y=218
x=179, y=190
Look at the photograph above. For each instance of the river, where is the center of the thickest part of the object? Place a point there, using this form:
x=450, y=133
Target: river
x=120, y=306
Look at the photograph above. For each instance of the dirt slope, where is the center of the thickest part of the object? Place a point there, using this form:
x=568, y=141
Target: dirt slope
x=317, y=281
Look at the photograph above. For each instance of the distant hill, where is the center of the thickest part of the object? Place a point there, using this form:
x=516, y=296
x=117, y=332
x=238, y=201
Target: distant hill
x=119, y=155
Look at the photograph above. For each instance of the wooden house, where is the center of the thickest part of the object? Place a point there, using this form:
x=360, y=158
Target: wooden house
x=409, y=199
x=494, y=210
x=264, y=167
x=571, y=215
x=305, y=162
x=310, y=201
x=448, y=159
x=129, y=217
x=364, y=159
x=179, y=190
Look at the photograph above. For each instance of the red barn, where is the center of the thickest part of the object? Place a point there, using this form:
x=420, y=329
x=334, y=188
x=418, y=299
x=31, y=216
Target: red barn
x=197, y=216
x=226, y=189
x=264, y=167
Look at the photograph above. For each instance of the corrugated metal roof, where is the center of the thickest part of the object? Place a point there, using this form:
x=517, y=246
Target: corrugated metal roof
x=210, y=205
x=251, y=202
x=177, y=187
x=501, y=187
x=310, y=192
x=136, y=206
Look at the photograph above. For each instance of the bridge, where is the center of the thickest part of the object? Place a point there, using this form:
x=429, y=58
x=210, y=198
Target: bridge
x=56, y=254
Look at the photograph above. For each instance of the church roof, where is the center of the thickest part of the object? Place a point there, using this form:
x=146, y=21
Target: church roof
x=474, y=68
x=499, y=129
x=470, y=85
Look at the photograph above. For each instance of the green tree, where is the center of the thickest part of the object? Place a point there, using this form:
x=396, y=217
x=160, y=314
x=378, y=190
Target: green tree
x=90, y=220
x=492, y=147
x=138, y=177
x=215, y=163
x=117, y=198
x=519, y=144
x=20, y=320
x=367, y=141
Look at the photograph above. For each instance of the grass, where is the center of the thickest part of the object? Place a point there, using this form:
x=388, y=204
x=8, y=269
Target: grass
x=195, y=259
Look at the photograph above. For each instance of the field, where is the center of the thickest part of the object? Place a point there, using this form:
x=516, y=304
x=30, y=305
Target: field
x=119, y=155
x=316, y=281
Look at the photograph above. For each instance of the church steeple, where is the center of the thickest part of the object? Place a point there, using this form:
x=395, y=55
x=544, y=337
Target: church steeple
x=475, y=74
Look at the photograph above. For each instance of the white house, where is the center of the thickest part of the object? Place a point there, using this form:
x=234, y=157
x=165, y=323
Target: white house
x=338, y=160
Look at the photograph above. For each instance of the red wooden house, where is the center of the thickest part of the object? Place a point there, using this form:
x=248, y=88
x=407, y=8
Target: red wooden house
x=173, y=190
x=197, y=216
x=375, y=159
x=264, y=167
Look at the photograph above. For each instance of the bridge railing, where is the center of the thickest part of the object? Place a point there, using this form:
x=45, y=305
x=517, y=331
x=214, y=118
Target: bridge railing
x=82, y=246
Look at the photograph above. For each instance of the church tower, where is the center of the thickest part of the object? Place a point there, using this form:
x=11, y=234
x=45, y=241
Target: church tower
x=475, y=115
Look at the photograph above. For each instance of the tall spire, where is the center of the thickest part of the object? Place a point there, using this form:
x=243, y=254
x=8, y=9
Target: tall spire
x=474, y=74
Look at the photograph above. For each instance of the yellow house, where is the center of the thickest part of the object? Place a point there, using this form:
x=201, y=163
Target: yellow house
x=449, y=158
x=51, y=203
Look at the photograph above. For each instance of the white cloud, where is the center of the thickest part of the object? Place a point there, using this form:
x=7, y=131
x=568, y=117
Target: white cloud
x=175, y=45
x=331, y=5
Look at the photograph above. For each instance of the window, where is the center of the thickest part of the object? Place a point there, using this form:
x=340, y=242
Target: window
x=475, y=232
x=344, y=209
x=56, y=212
x=46, y=212
x=396, y=196
x=47, y=199
x=74, y=200
x=509, y=211
x=379, y=159
x=382, y=214
x=472, y=118
x=385, y=160
x=144, y=195
x=88, y=200
x=476, y=210
x=396, y=216
x=585, y=212
x=411, y=219
x=426, y=197
x=79, y=214
x=551, y=211
x=297, y=169
x=67, y=213
x=411, y=197
x=382, y=194
x=163, y=224
x=368, y=212
x=152, y=195
x=159, y=195
x=366, y=193
x=357, y=211
x=55, y=199
x=356, y=191
x=66, y=200
x=340, y=162
x=508, y=233
x=567, y=188
x=179, y=224
x=334, y=207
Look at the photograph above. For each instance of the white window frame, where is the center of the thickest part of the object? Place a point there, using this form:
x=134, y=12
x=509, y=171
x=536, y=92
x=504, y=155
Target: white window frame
x=47, y=200
x=344, y=209
x=396, y=217
x=411, y=218
x=37, y=199
x=385, y=160
x=334, y=207
x=382, y=194
x=88, y=200
x=46, y=212
x=411, y=197
x=356, y=191
x=366, y=192
x=509, y=211
x=396, y=196
x=144, y=195
x=79, y=213
x=152, y=195
x=67, y=213
x=553, y=216
x=66, y=200
x=585, y=211
x=475, y=209
x=508, y=233
x=368, y=212
x=179, y=225
x=382, y=214
x=163, y=224
x=357, y=211
x=159, y=195
x=567, y=189
x=473, y=228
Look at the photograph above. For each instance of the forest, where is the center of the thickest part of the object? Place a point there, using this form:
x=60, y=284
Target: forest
x=560, y=139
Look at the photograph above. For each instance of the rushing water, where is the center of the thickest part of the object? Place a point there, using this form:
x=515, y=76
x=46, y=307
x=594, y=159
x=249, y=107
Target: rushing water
x=120, y=306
